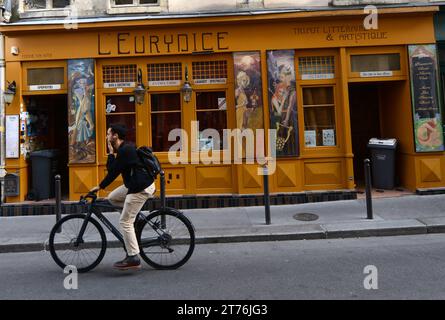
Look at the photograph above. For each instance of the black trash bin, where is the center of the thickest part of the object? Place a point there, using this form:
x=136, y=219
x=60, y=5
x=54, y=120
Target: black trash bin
x=44, y=165
x=383, y=154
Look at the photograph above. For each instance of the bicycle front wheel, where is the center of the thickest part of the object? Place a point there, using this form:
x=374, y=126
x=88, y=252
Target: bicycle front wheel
x=84, y=256
x=166, y=239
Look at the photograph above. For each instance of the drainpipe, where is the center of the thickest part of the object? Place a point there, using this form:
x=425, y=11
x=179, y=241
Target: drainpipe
x=2, y=118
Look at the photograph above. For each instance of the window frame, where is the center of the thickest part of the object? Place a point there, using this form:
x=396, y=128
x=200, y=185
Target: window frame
x=163, y=155
x=335, y=105
x=136, y=7
x=195, y=116
x=396, y=74
x=43, y=65
x=48, y=8
x=135, y=113
x=136, y=3
x=317, y=53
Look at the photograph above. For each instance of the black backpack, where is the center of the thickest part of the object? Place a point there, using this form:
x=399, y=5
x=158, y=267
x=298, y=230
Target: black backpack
x=149, y=161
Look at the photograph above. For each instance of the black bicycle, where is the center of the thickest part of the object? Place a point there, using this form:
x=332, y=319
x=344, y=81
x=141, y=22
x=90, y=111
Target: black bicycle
x=166, y=237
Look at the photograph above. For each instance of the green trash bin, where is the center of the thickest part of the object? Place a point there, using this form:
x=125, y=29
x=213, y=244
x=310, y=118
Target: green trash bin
x=44, y=166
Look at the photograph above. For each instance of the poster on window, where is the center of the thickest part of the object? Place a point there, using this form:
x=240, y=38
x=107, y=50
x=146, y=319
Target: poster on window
x=249, y=98
x=328, y=137
x=428, y=132
x=283, y=101
x=310, y=138
x=248, y=91
x=81, y=119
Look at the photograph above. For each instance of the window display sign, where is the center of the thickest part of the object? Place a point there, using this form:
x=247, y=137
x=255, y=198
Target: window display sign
x=44, y=87
x=428, y=132
x=310, y=138
x=283, y=100
x=328, y=137
x=120, y=85
x=164, y=83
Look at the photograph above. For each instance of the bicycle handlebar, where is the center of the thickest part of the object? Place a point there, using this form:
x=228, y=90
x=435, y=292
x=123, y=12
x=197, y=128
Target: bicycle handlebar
x=89, y=195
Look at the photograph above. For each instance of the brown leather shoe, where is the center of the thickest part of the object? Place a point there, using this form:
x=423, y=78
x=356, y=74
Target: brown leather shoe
x=129, y=263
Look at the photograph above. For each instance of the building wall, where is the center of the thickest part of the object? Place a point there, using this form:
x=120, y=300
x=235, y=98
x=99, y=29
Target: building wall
x=314, y=169
x=102, y=8
x=321, y=169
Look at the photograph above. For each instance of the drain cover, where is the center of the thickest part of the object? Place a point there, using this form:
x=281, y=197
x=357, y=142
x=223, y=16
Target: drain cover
x=305, y=217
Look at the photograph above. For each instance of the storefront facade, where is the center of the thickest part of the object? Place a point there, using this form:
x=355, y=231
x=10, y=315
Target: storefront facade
x=339, y=82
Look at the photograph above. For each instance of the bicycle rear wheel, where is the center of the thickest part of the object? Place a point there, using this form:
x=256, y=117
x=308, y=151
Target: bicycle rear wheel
x=166, y=239
x=87, y=254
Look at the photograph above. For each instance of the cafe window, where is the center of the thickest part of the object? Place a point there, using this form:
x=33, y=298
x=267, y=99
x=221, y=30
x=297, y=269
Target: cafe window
x=375, y=62
x=119, y=76
x=44, y=4
x=120, y=109
x=318, y=67
x=319, y=116
x=211, y=113
x=210, y=72
x=164, y=74
x=165, y=116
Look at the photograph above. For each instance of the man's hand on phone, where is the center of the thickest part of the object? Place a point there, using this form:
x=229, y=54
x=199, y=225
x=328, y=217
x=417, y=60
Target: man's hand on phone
x=110, y=147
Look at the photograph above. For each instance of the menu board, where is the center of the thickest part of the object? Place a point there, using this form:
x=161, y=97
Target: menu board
x=428, y=131
x=12, y=136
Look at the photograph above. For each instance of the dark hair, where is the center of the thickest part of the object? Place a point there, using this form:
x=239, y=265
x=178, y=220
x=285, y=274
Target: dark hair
x=119, y=129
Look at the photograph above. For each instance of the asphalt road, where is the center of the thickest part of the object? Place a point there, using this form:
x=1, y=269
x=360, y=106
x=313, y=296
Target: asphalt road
x=408, y=267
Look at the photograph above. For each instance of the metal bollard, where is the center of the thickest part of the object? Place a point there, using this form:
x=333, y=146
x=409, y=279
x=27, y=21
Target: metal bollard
x=368, y=189
x=266, y=193
x=58, y=190
x=163, y=201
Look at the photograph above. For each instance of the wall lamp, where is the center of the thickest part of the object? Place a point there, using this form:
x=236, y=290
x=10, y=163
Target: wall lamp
x=139, y=91
x=9, y=93
x=187, y=89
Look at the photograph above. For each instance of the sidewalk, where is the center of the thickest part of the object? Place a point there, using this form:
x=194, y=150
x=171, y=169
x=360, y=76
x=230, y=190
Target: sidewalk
x=404, y=215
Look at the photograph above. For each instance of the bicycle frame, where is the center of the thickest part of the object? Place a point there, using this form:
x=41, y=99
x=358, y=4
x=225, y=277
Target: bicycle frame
x=92, y=205
x=102, y=219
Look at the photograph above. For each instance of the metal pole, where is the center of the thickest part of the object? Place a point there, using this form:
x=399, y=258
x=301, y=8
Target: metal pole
x=266, y=193
x=368, y=189
x=2, y=118
x=163, y=202
x=58, y=201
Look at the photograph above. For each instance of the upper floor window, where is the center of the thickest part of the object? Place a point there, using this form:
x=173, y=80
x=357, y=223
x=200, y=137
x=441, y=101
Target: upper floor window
x=136, y=6
x=45, y=4
x=132, y=2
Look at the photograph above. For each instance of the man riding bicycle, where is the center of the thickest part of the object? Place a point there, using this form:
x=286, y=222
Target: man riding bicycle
x=138, y=187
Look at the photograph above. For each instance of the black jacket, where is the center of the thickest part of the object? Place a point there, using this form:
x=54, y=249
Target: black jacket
x=128, y=164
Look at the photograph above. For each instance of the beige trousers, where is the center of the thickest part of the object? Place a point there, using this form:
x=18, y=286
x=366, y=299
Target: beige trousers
x=132, y=204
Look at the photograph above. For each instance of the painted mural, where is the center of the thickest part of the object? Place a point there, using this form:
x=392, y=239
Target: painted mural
x=81, y=113
x=283, y=101
x=248, y=92
x=428, y=132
